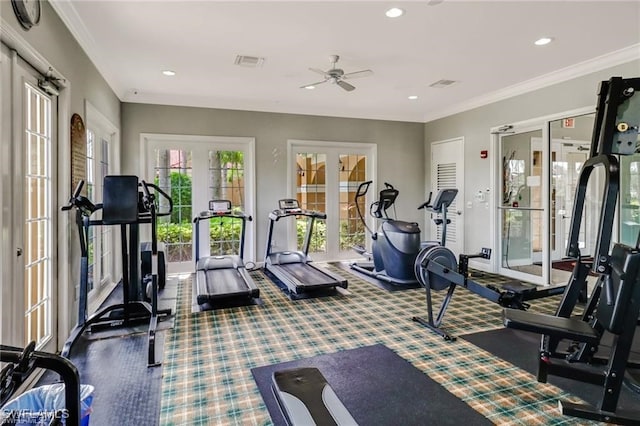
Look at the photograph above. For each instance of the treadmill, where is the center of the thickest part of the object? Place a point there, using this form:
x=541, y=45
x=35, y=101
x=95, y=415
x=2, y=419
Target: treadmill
x=222, y=278
x=294, y=269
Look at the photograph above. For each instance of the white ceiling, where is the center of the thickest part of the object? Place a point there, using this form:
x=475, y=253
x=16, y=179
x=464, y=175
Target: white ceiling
x=486, y=46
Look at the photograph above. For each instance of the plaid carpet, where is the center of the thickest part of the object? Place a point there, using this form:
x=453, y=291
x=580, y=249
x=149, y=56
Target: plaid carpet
x=209, y=355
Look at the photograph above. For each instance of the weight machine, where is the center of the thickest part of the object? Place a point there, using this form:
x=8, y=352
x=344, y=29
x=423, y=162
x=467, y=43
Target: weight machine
x=123, y=205
x=614, y=304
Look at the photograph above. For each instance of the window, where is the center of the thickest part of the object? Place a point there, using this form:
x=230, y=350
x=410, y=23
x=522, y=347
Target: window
x=100, y=238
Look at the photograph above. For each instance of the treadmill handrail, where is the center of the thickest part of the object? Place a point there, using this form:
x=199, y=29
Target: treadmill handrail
x=279, y=213
x=238, y=215
x=211, y=215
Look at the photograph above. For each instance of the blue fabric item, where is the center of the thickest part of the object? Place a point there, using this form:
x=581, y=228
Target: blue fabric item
x=38, y=405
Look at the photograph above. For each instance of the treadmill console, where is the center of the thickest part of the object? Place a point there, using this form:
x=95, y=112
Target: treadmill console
x=220, y=207
x=289, y=205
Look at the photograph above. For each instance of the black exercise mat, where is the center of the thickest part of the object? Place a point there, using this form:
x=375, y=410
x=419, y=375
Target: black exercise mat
x=521, y=349
x=378, y=283
x=127, y=392
x=378, y=387
x=114, y=361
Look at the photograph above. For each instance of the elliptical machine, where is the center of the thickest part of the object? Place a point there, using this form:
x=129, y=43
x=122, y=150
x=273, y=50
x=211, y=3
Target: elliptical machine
x=395, y=245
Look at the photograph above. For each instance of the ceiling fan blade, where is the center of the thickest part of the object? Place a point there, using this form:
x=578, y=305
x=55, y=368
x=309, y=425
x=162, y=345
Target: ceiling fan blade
x=319, y=71
x=313, y=84
x=358, y=74
x=346, y=86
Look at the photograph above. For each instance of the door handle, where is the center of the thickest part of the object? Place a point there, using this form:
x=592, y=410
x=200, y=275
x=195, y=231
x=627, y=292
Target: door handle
x=19, y=252
x=459, y=212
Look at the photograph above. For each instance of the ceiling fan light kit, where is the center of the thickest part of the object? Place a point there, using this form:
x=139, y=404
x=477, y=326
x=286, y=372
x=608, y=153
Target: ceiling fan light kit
x=337, y=76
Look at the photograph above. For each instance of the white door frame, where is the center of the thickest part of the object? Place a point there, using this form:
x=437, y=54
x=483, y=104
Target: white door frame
x=200, y=200
x=332, y=149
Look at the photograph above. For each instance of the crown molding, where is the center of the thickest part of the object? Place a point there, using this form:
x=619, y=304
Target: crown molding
x=70, y=17
x=580, y=69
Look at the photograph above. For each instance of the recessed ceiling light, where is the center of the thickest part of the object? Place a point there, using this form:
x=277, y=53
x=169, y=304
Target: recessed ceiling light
x=394, y=12
x=169, y=73
x=310, y=87
x=542, y=41
x=413, y=97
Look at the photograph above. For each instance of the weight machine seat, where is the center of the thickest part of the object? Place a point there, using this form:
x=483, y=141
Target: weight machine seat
x=551, y=325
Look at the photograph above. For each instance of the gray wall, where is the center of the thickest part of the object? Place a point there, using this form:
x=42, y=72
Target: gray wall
x=475, y=125
x=400, y=147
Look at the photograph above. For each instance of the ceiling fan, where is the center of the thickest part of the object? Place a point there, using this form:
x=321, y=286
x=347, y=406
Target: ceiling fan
x=337, y=76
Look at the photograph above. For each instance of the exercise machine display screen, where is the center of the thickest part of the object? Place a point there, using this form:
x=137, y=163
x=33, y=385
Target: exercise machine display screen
x=220, y=206
x=289, y=204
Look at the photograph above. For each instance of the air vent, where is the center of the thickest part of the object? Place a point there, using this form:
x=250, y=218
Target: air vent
x=249, y=61
x=442, y=83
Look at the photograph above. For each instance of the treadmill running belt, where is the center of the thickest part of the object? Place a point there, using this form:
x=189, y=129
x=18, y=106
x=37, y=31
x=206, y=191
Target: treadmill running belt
x=307, y=274
x=220, y=283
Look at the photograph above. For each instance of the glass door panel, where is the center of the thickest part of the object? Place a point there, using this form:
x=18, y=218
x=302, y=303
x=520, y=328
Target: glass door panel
x=100, y=239
x=173, y=174
x=226, y=182
x=38, y=220
x=352, y=173
x=311, y=194
x=522, y=209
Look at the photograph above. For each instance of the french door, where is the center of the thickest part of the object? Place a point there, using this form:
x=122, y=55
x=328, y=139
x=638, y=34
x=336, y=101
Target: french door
x=194, y=170
x=540, y=163
x=324, y=176
x=28, y=281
